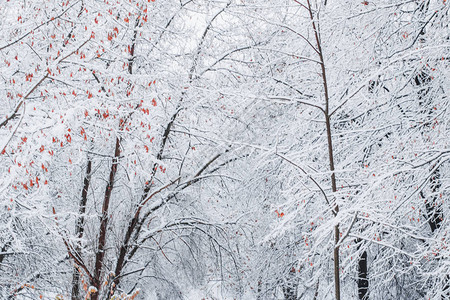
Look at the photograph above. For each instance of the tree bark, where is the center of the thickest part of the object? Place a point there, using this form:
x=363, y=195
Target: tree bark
x=335, y=207
x=363, y=283
x=100, y=254
x=79, y=229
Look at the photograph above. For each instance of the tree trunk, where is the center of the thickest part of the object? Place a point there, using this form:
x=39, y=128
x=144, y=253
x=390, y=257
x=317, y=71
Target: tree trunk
x=100, y=254
x=335, y=207
x=363, y=283
x=290, y=286
x=79, y=230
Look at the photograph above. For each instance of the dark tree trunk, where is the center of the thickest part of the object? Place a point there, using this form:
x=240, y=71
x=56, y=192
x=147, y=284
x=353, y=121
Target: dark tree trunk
x=79, y=229
x=100, y=255
x=363, y=283
x=290, y=286
x=328, y=113
x=432, y=206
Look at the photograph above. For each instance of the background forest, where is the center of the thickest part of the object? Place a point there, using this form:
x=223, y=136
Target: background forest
x=224, y=149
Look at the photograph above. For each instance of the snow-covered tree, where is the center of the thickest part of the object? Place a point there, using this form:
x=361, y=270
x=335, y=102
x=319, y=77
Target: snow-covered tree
x=293, y=149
